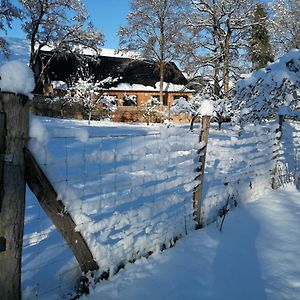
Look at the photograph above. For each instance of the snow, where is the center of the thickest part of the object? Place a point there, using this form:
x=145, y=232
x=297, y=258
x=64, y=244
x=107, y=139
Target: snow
x=59, y=84
x=254, y=257
x=167, y=87
x=262, y=93
x=206, y=108
x=16, y=77
x=129, y=190
x=122, y=54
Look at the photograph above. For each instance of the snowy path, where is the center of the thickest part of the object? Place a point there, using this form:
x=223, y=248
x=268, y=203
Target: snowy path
x=257, y=256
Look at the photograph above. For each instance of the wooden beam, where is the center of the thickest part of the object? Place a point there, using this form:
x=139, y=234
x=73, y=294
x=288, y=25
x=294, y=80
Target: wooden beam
x=56, y=211
x=2, y=153
x=14, y=134
x=276, y=153
x=197, y=195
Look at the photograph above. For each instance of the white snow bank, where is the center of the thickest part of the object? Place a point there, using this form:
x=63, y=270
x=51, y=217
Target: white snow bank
x=16, y=78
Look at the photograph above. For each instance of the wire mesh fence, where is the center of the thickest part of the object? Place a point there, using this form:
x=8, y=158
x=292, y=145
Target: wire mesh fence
x=129, y=194
x=129, y=190
x=288, y=164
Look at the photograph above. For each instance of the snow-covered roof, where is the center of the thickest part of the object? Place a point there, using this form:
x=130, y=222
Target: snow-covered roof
x=20, y=50
x=168, y=87
x=126, y=70
x=103, y=52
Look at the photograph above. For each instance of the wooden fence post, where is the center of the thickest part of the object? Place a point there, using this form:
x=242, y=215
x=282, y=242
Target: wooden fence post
x=14, y=126
x=197, y=195
x=276, y=151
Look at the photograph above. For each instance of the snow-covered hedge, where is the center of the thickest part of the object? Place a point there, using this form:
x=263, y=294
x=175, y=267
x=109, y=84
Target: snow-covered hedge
x=262, y=93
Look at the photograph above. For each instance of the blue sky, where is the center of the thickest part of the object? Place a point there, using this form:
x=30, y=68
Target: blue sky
x=107, y=15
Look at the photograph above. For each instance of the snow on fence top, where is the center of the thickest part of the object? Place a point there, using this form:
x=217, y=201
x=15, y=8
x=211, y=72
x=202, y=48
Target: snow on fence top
x=207, y=108
x=16, y=77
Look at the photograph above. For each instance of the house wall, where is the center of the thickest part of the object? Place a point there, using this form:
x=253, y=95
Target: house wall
x=144, y=96
x=123, y=114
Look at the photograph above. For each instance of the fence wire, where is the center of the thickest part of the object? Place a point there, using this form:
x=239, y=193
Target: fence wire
x=131, y=194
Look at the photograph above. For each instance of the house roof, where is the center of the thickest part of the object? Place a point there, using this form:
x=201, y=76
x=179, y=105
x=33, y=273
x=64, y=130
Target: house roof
x=121, y=70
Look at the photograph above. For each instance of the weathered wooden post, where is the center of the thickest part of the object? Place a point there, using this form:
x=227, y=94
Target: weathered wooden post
x=14, y=124
x=197, y=195
x=276, y=151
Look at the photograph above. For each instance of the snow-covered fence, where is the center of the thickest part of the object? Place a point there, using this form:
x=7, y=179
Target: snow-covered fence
x=239, y=166
x=129, y=190
x=288, y=160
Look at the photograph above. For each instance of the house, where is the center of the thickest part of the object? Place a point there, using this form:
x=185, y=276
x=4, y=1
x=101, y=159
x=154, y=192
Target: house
x=122, y=76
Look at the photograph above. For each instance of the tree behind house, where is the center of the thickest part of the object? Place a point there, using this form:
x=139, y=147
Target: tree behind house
x=62, y=25
x=285, y=25
x=220, y=30
x=8, y=12
x=155, y=29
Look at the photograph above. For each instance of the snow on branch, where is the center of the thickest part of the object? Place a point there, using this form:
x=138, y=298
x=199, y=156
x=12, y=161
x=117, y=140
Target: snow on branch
x=260, y=95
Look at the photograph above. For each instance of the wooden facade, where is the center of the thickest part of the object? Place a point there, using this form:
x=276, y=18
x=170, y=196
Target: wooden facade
x=143, y=96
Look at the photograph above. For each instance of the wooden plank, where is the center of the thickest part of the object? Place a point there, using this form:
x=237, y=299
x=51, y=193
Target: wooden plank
x=197, y=195
x=2, y=152
x=12, y=198
x=276, y=152
x=56, y=211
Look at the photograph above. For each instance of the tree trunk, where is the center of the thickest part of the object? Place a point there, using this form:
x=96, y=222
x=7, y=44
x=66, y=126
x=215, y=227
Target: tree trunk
x=226, y=52
x=216, y=77
x=193, y=121
x=161, y=83
x=62, y=112
x=90, y=117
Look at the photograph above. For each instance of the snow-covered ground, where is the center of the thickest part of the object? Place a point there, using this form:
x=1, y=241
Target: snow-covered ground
x=256, y=256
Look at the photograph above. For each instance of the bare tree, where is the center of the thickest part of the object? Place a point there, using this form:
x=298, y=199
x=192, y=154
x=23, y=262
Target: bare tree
x=156, y=30
x=220, y=29
x=62, y=25
x=285, y=25
x=8, y=12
